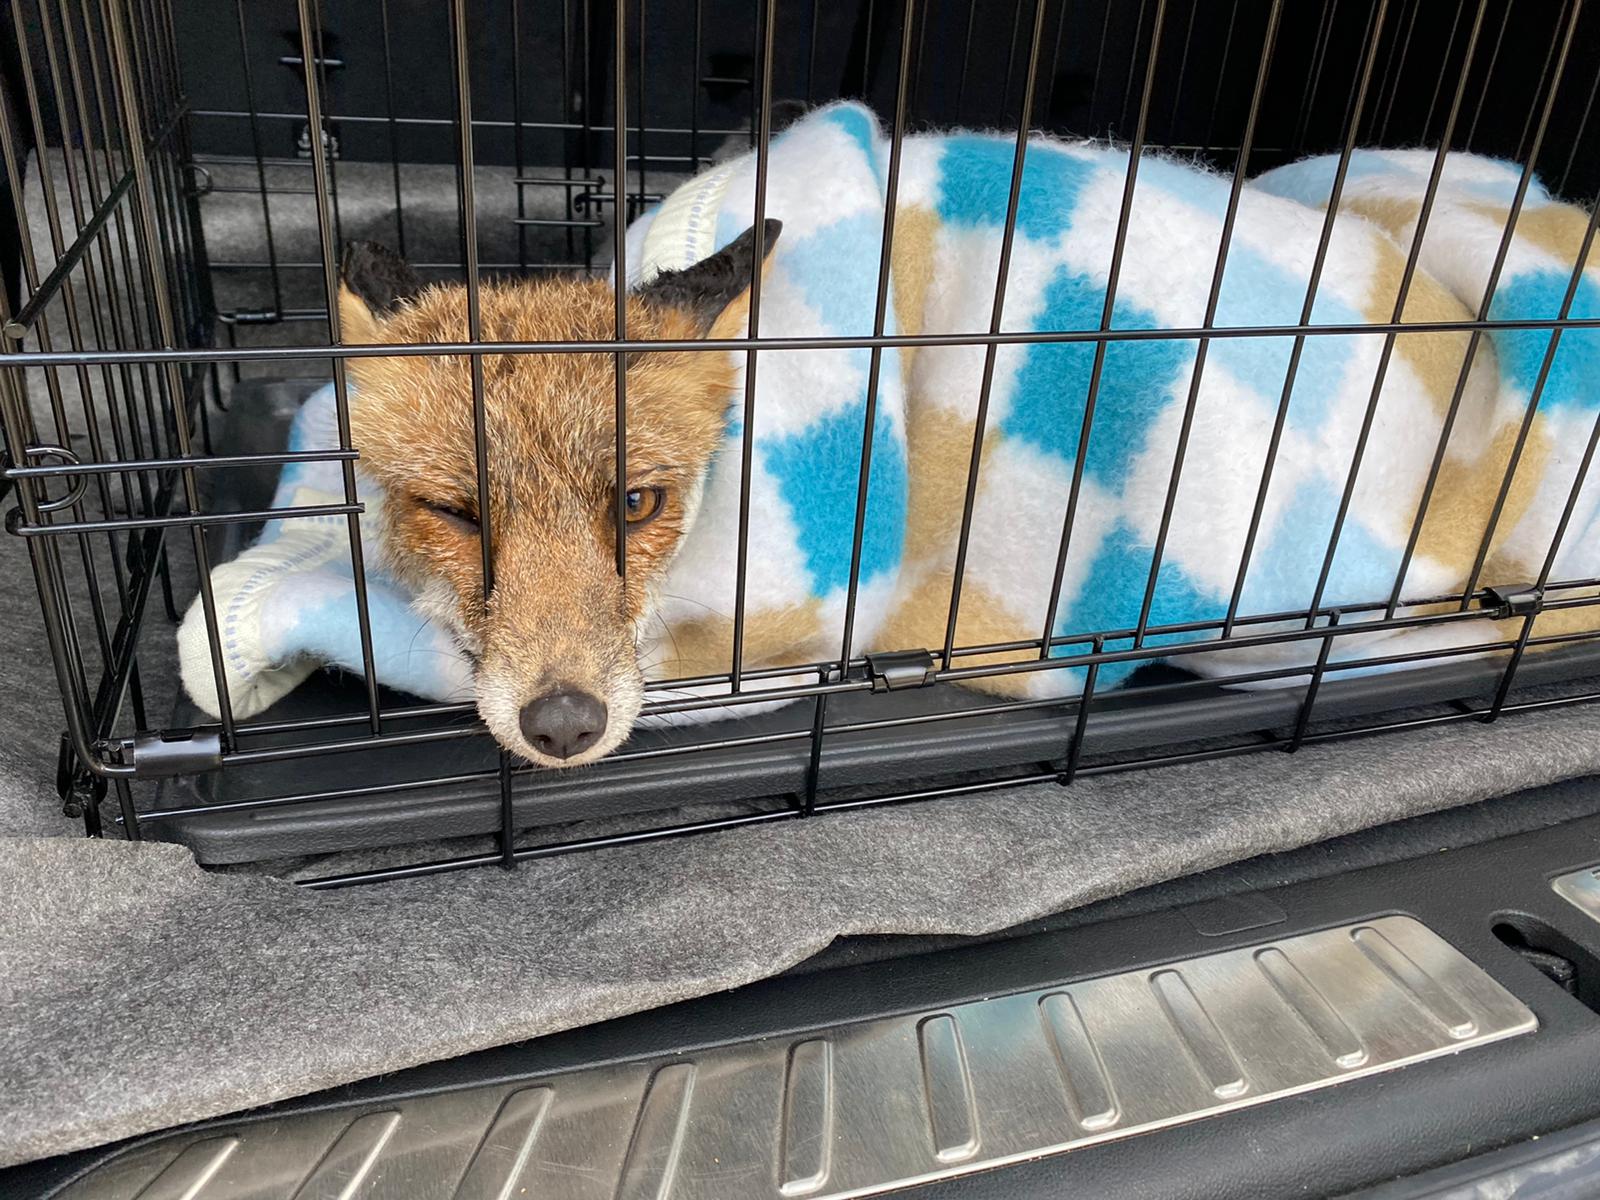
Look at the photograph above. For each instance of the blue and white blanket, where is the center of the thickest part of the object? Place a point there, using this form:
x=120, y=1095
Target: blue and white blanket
x=287, y=605
x=827, y=180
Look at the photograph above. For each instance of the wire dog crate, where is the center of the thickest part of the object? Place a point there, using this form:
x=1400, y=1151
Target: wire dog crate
x=181, y=179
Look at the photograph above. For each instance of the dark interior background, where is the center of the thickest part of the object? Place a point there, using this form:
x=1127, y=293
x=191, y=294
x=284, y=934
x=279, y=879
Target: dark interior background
x=389, y=79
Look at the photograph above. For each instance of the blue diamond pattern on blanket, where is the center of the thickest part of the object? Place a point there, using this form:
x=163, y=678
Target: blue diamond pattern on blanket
x=826, y=270
x=1052, y=385
x=975, y=185
x=1537, y=296
x=1113, y=593
x=824, y=503
x=1288, y=558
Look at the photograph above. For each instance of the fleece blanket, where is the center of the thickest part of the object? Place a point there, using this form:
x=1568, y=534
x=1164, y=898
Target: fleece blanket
x=286, y=607
x=827, y=181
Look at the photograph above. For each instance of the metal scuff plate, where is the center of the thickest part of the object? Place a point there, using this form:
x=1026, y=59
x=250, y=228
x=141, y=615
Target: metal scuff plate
x=858, y=1109
x=1581, y=889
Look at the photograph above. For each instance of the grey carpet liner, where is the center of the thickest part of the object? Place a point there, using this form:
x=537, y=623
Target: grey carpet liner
x=138, y=991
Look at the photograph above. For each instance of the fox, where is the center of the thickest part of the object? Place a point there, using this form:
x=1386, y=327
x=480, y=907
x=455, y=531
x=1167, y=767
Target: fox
x=554, y=641
x=1003, y=507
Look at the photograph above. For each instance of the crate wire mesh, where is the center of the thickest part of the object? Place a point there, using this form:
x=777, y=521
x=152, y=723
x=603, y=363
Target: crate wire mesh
x=120, y=149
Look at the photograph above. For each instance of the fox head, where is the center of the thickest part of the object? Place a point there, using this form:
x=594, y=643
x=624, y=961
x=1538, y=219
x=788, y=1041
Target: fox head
x=555, y=638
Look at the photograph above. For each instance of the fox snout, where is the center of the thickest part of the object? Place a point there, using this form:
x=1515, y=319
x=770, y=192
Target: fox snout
x=554, y=622
x=563, y=722
x=558, y=678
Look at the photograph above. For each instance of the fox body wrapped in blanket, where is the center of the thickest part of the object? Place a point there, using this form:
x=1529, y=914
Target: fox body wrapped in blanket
x=1499, y=486
x=950, y=215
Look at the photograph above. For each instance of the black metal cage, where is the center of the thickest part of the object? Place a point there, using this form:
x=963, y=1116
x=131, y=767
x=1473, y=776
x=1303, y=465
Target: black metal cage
x=181, y=178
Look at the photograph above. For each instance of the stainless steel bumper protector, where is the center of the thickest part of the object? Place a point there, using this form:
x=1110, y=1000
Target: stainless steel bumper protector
x=861, y=1108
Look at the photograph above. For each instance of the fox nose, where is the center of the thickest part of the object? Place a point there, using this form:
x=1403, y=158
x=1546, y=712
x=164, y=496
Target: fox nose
x=563, y=723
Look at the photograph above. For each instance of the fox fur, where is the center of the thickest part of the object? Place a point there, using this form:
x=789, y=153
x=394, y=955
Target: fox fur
x=559, y=614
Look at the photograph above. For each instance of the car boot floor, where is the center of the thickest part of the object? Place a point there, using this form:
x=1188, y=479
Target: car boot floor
x=213, y=993
x=1305, y=1021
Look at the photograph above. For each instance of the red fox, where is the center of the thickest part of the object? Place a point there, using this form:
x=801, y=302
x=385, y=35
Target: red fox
x=1124, y=498
x=556, y=640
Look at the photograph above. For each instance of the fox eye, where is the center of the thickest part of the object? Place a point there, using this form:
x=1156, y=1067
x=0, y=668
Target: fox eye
x=643, y=504
x=460, y=518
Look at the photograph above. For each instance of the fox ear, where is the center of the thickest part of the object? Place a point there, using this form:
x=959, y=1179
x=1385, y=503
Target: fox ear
x=373, y=282
x=715, y=290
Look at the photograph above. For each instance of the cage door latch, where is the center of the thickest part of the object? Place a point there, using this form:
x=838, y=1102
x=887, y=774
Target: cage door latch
x=896, y=669
x=1514, y=599
x=158, y=755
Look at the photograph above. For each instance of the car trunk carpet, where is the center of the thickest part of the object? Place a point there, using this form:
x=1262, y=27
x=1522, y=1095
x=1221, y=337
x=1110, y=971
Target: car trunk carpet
x=138, y=991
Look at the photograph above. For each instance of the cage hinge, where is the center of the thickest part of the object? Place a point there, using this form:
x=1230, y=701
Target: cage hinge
x=156, y=755
x=897, y=669
x=1514, y=599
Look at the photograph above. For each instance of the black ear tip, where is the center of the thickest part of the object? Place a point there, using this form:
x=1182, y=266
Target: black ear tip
x=707, y=287
x=771, y=227
x=378, y=275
